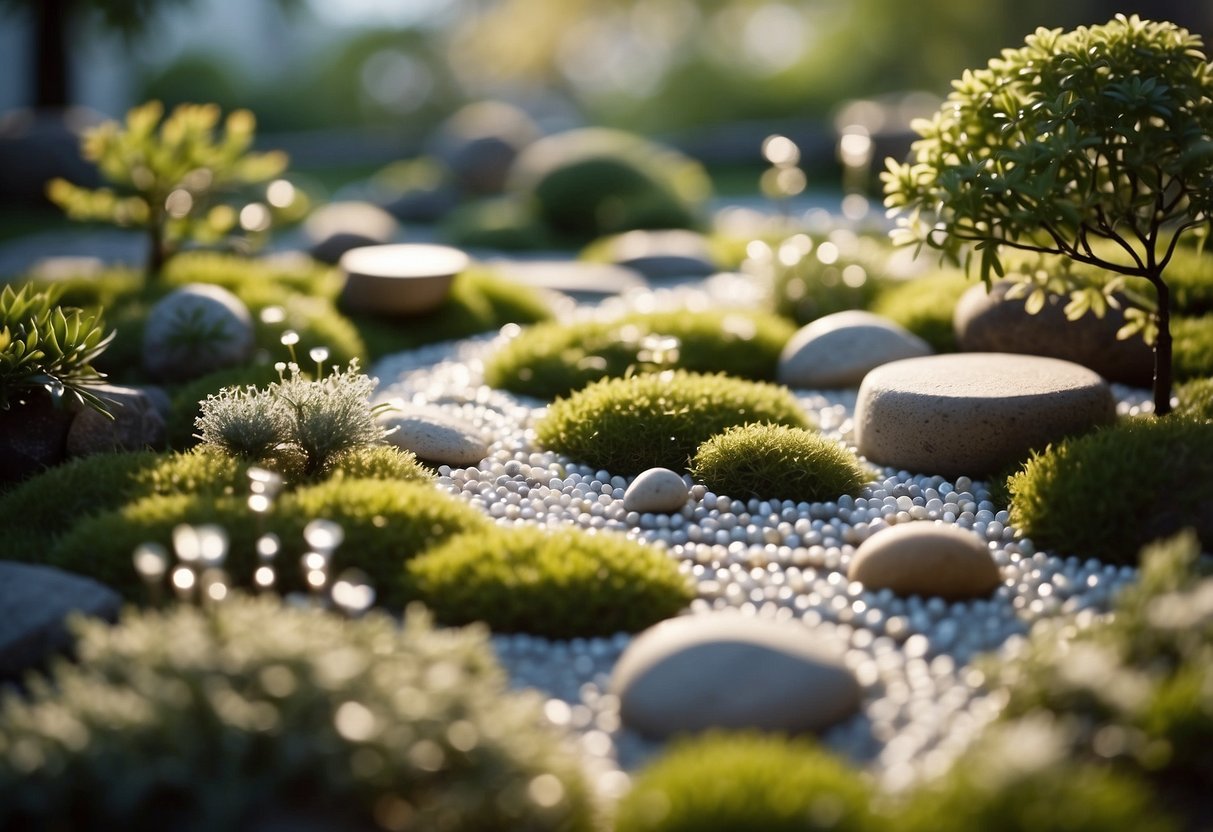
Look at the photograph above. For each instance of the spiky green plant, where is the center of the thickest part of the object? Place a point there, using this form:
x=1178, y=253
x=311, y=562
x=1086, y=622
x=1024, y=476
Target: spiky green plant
x=1092, y=144
x=44, y=346
x=169, y=177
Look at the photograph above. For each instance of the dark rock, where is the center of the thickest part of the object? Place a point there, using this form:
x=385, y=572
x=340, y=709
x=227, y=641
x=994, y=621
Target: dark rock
x=33, y=435
x=337, y=227
x=993, y=323
x=137, y=423
x=480, y=142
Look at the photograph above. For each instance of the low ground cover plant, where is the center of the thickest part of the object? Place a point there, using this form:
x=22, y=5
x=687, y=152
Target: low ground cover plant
x=628, y=425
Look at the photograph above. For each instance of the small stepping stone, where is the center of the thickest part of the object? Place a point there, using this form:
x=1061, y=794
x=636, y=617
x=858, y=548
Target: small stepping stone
x=730, y=671
x=36, y=600
x=434, y=435
x=992, y=322
x=404, y=280
x=657, y=490
x=974, y=413
x=576, y=278
x=838, y=350
x=664, y=254
x=929, y=559
x=335, y=228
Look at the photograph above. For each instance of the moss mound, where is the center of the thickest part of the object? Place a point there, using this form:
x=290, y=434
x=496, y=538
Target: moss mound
x=591, y=182
x=560, y=584
x=1196, y=399
x=553, y=359
x=808, y=287
x=378, y=462
x=505, y=223
x=1108, y=493
x=777, y=462
x=726, y=782
x=1192, y=347
x=480, y=301
x=925, y=305
x=628, y=425
x=385, y=523
x=250, y=714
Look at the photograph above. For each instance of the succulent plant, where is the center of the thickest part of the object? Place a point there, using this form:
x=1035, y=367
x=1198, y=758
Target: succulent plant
x=44, y=346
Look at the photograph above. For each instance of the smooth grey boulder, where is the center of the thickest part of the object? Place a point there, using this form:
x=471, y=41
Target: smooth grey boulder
x=992, y=322
x=929, y=559
x=838, y=350
x=137, y=423
x=434, y=435
x=730, y=671
x=35, y=601
x=974, y=413
x=335, y=228
x=195, y=330
x=657, y=490
x=663, y=254
x=480, y=142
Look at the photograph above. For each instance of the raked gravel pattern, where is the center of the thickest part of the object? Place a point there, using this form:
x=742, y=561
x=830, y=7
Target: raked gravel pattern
x=923, y=700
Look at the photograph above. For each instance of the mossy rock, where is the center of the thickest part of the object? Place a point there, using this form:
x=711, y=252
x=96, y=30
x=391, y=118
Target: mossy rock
x=1196, y=399
x=1106, y=494
x=724, y=782
x=385, y=523
x=562, y=584
x=592, y=182
x=480, y=301
x=628, y=425
x=924, y=305
x=251, y=714
x=553, y=359
x=775, y=462
x=1192, y=347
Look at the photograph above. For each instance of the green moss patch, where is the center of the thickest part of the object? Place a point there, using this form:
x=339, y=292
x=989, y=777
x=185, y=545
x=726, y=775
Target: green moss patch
x=726, y=782
x=561, y=584
x=777, y=462
x=553, y=359
x=1106, y=494
x=1196, y=399
x=1192, y=347
x=628, y=425
x=925, y=305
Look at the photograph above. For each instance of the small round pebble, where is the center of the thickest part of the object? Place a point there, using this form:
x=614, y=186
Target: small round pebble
x=657, y=490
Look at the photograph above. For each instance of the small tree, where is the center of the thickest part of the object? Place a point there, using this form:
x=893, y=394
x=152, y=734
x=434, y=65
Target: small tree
x=172, y=182
x=1094, y=145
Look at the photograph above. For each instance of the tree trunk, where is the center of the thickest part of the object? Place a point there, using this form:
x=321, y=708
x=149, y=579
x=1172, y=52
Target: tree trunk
x=50, y=54
x=1162, y=349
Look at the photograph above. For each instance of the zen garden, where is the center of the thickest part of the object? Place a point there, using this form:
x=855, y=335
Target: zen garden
x=566, y=474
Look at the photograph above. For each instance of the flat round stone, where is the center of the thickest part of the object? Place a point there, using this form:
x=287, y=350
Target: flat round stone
x=433, y=435
x=731, y=671
x=926, y=559
x=404, y=280
x=974, y=413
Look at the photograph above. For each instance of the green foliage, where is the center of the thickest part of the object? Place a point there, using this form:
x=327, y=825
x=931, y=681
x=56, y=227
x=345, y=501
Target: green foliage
x=1106, y=494
x=253, y=714
x=724, y=782
x=591, y=182
x=480, y=301
x=1193, y=357
x=187, y=399
x=562, y=584
x=1085, y=144
x=172, y=181
x=553, y=359
x=378, y=462
x=45, y=347
x=924, y=305
x=651, y=420
x=1196, y=399
x=1017, y=780
x=812, y=280
x=505, y=223
x=317, y=419
x=777, y=462
x=385, y=523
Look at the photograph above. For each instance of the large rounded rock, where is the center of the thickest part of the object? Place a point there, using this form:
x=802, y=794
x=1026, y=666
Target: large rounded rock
x=335, y=228
x=974, y=413
x=480, y=142
x=433, y=435
x=838, y=350
x=657, y=490
x=195, y=330
x=729, y=671
x=992, y=322
x=926, y=559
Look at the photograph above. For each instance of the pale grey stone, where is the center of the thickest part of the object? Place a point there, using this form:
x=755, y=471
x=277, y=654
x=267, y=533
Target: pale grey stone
x=657, y=490
x=336, y=227
x=730, y=671
x=838, y=350
x=434, y=435
x=137, y=423
x=577, y=278
x=926, y=558
x=974, y=413
x=195, y=330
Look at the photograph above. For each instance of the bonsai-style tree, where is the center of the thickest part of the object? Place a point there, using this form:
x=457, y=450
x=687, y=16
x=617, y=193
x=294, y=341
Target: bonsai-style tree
x=172, y=181
x=1094, y=145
